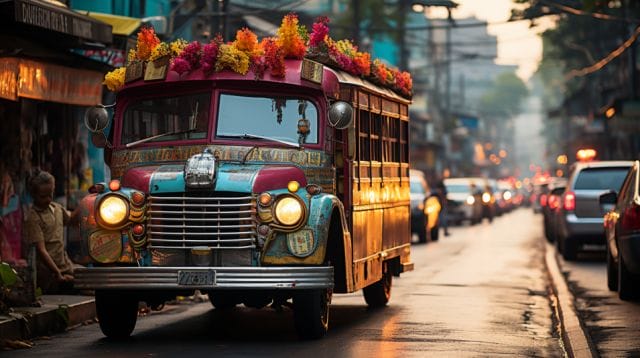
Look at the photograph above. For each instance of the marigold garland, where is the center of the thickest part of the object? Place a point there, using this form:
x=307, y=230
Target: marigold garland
x=245, y=53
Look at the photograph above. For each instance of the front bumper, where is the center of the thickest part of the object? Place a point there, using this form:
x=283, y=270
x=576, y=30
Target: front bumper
x=256, y=278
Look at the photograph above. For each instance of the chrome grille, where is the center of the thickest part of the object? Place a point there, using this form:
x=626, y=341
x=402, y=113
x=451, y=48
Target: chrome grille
x=214, y=220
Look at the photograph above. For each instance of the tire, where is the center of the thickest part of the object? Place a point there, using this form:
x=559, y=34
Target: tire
x=311, y=313
x=117, y=313
x=435, y=232
x=627, y=282
x=569, y=249
x=378, y=294
x=222, y=300
x=612, y=272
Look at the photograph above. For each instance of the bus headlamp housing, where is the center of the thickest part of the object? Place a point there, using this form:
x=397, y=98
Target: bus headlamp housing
x=112, y=211
x=288, y=211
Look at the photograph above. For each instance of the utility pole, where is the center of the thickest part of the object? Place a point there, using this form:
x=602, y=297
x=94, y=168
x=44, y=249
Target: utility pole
x=402, y=33
x=355, y=35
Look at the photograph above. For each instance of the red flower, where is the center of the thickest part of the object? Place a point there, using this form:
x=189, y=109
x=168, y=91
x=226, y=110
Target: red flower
x=273, y=56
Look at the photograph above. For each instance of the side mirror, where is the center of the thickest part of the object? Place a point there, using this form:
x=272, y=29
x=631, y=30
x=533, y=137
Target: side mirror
x=608, y=199
x=96, y=118
x=340, y=115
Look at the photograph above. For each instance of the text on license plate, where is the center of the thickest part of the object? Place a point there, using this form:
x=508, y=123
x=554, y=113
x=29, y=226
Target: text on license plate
x=196, y=278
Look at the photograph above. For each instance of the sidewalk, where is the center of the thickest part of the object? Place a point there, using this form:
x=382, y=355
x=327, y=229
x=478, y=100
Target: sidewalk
x=57, y=313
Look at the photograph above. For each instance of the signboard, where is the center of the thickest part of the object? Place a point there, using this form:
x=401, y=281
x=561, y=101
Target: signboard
x=61, y=19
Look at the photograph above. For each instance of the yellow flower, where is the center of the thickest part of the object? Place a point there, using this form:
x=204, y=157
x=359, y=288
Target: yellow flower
x=114, y=80
x=160, y=51
x=177, y=47
x=230, y=57
x=132, y=55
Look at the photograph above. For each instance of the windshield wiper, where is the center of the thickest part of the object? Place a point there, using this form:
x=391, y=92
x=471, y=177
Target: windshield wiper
x=144, y=140
x=256, y=136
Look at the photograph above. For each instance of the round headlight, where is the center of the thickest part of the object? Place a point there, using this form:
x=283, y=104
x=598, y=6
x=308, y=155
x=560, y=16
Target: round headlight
x=113, y=210
x=288, y=211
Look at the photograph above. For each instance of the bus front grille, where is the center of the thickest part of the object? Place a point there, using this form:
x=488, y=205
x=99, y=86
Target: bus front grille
x=219, y=221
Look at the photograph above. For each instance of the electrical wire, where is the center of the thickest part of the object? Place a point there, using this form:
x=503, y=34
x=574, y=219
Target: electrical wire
x=597, y=15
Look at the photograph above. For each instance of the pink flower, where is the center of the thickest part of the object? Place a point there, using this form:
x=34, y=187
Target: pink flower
x=319, y=31
x=180, y=65
x=209, y=55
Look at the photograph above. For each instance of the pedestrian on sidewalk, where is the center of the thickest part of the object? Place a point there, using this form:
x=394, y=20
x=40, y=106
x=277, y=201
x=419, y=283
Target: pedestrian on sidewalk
x=44, y=229
x=442, y=197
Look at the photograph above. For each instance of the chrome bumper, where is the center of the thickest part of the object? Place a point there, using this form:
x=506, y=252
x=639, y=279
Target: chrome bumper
x=217, y=278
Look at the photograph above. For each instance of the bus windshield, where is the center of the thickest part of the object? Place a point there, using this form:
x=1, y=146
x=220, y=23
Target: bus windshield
x=162, y=119
x=267, y=117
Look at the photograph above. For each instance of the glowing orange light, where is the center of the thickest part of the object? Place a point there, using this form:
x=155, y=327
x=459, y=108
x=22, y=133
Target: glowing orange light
x=114, y=185
x=610, y=112
x=137, y=198
x=586, y=154
x=559, y=173
x=502, y=153
x=562, y=159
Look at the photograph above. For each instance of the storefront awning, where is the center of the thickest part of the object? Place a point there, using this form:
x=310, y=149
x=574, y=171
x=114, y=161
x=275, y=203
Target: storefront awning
x=121, y=25
x=57, y=19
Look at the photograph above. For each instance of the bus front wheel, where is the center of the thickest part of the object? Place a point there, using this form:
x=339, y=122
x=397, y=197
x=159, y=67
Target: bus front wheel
x=117, y=313
x=378, y=294
x=311, y=313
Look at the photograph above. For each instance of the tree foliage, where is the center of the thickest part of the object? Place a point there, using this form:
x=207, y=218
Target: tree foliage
x=504, y=98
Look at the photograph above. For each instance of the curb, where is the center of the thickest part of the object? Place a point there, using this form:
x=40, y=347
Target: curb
x=57, y=314
x=574, y=336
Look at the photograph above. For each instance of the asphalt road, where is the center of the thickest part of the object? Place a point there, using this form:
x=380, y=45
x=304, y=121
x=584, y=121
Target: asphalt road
x=483, y=291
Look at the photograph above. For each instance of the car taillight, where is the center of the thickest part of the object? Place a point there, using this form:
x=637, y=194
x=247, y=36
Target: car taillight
x=543, y=199
x=631, y=218
x=569, y=201
x=553, y=202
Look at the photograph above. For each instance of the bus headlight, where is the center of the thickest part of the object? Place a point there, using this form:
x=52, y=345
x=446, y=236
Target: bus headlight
x=113, y=211
x=288, y=211
x=471, y=200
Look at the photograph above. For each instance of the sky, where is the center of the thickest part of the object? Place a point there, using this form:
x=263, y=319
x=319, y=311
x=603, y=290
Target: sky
x=517, y=43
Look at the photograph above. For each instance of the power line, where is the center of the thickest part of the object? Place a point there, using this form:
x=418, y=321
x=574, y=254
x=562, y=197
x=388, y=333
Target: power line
x=597, y=15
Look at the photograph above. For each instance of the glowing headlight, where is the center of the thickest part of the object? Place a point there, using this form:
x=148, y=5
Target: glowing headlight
x=506, y=195
x=486, y=197
x=470, y=200
x=288, y=211
x=113, y=210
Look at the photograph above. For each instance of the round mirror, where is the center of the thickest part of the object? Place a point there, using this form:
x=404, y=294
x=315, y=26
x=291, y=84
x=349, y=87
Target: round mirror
x=96, y=119
x=340, y=115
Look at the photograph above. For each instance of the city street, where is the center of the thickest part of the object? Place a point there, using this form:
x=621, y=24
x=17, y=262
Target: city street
x=480, y=292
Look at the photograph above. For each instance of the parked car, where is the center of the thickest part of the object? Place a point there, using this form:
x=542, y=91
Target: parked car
x=550, y=211
x=622, y=232
x=462, y=201
x=425, y=208
x=581, y=216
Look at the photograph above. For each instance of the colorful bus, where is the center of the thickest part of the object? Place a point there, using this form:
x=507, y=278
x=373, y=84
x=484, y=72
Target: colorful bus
x=254, y=191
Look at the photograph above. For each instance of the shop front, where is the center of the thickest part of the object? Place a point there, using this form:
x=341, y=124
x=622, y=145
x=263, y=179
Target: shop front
x=44, y=91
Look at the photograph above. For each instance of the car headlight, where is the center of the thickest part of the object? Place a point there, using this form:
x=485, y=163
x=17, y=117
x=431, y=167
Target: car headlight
x=486, y=197
x=288, y=211
x=113, y=210
x=471, y=200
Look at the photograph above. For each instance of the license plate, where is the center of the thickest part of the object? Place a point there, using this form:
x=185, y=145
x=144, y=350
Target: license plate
x=196, y=278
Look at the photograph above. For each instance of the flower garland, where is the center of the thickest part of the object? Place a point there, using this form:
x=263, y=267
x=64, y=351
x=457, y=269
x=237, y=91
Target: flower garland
x=246, y=54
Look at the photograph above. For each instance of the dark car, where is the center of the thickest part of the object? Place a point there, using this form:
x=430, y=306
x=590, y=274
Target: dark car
x=550, y=210
x=622, y=231
x=581, y=216
x=425, y=208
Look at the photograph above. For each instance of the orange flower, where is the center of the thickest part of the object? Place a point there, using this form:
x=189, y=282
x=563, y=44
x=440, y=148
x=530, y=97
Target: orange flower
x=247, y=41
x=147, y=41
x=289, y=37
